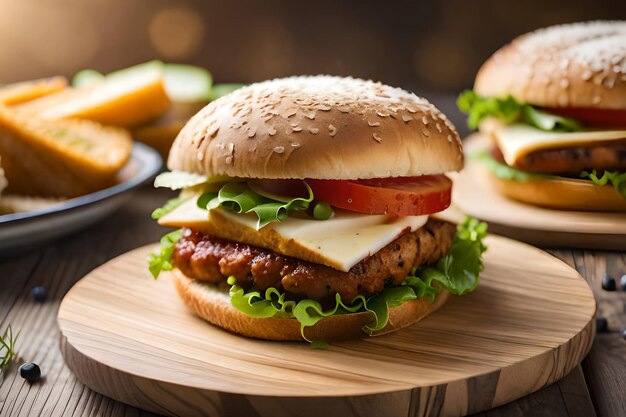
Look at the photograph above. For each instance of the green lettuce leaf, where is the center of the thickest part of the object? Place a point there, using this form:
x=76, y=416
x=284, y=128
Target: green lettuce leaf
x=508, y=110
x=547, y=121
x=239, y=198
x=162, y=260
x=504, y=171
x=616, y=179
x=273, y=303
x=457, y=272
x=169, y=206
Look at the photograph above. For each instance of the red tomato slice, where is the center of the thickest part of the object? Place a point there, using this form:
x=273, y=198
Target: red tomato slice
x=598, y=116
x=403, y=196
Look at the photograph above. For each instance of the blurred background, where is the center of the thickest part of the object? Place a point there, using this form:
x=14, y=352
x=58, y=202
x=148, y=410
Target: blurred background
x=432, y=48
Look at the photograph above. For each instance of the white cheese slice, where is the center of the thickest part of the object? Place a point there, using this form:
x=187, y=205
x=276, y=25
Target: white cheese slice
x=518, y=140
x=339, y=242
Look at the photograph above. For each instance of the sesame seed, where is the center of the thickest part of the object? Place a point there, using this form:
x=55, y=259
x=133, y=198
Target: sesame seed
x=271, y=131
x=290, y=113
x=382, y=114
x=295, y=145
x=251, y=133
x=425, y=120
x=406, y=118
x=564, y=83
x=438, y=126
x=344, y=109
x=200, y=155
x=279, y=149
x=310, y=115
x=324, y=108
x=449, y=138
x=377, y=137
x=596, y=99
x=609, y=82
x=314, y=130
x=297, y=128
x=213, y=131
x=332, y=130
x=229, y=159
x=373, y=124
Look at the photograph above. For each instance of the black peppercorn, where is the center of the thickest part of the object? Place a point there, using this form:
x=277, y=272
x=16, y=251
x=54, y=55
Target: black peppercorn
x=602, y=325
x=39, y=294
x=608, y=283
x=30, y=371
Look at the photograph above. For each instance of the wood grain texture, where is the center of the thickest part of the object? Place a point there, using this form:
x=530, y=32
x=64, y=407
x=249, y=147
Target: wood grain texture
x=59, y=265
x=605, y=367
x=474, y=195
x=528, y=325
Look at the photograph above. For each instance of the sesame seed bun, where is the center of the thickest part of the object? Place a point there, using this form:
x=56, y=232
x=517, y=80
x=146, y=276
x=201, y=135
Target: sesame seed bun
x=581, y=65
x=318, y=127
x=212, y=303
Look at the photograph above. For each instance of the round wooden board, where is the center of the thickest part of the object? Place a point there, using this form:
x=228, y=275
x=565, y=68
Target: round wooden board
x=474, y=195
x=528, y=324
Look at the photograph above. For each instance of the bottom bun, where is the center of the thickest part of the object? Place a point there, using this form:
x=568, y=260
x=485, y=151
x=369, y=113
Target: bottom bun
x=561, y=193
x=212, y=303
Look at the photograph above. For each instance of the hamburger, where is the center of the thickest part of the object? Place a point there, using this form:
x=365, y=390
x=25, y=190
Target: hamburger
x=553, y=102
x=305, y=211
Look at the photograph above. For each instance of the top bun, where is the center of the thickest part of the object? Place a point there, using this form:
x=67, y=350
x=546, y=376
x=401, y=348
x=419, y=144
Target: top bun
x=318, y=127
x=580, y=65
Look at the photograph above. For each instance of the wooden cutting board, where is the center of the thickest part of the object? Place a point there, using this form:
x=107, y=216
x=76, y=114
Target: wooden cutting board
x=474, y=195
x=528, y=324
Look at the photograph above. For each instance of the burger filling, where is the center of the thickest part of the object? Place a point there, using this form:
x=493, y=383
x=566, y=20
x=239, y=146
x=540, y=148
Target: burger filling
x=313, y=248
x=530, y=142
x=206, y=258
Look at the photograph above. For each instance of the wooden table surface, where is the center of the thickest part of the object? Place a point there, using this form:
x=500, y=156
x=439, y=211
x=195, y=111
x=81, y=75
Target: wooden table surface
x=598, y=387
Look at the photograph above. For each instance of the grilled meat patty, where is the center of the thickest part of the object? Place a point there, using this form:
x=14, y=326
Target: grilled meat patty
x=206, y=258
x=575, y=159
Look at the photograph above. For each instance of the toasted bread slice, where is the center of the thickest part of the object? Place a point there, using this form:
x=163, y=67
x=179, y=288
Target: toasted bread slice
x=18, y=93
x=64, y=158
x=130, y=98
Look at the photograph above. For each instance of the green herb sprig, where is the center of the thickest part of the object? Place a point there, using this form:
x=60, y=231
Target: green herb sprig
x=7, y=347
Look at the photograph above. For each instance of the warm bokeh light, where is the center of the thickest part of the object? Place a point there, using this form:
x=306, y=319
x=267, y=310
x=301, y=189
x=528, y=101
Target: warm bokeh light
x=45, y=37
x=176, y=32
x=423, y=46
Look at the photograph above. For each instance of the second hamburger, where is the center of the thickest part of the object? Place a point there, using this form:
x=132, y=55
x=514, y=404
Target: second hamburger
x=554, y=103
